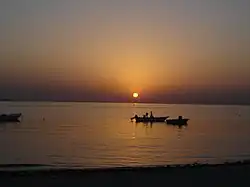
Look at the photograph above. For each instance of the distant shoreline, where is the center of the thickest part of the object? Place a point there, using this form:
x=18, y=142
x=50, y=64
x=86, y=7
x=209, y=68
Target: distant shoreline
x=162, y=103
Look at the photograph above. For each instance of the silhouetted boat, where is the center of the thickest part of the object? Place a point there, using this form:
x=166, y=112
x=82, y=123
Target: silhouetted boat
x=10, y=117
x=178, y=121
x=148, y=119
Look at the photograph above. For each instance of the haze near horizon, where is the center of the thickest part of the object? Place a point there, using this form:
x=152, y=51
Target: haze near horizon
x=172, y=51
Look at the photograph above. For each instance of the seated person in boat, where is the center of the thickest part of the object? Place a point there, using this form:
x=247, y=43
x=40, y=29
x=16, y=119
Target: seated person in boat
x=145, y=116
x=135, y=117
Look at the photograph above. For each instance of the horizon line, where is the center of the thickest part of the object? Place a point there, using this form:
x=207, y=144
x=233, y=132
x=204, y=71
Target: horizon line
x=85, y=101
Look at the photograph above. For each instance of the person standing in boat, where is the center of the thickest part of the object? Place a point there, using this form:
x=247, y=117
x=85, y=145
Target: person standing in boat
x=151, y=114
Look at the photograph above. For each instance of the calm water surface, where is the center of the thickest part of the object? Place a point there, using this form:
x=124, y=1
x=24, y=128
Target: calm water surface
x=91, y=135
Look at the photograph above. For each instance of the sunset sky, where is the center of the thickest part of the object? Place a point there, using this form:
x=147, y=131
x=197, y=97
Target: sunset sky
x=173, y=51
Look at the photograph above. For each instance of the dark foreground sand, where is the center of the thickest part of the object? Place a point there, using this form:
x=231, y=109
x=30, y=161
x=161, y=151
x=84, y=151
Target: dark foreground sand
x=234, y=174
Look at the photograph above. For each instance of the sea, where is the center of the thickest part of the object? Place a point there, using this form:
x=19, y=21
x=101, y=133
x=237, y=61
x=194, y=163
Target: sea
x=101, y=135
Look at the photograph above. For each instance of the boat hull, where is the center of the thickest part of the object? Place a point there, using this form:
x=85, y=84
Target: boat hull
x=151, y=120
x=10, y=117
x=177, y=121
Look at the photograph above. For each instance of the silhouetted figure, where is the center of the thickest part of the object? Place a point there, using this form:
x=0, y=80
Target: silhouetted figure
x=151, y=114
x=146, y=115
x=135, y=117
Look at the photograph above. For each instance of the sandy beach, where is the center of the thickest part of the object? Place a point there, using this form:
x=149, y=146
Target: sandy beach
x=230, y=174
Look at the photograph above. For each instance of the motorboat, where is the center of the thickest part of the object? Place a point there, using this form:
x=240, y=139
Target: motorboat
x=177, y=121
x=10, y=117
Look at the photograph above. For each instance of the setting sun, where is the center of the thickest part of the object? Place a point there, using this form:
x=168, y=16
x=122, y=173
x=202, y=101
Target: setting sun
x=135, y=95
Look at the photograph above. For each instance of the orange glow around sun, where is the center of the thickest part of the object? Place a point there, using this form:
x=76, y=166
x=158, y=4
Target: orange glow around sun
x=135, y=95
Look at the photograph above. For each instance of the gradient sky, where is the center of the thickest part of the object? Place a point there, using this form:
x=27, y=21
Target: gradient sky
x=181, y=51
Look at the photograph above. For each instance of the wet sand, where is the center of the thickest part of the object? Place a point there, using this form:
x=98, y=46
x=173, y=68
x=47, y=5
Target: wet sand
x=228, y=174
